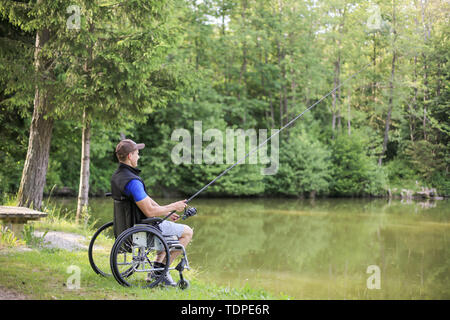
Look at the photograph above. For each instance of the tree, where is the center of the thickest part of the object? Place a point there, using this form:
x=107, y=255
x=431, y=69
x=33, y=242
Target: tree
x=113, y=67
x=391, y=84
x=16, y=97
x=118, y=70
x=355, y=172
x=43, y=19
x=243, y=64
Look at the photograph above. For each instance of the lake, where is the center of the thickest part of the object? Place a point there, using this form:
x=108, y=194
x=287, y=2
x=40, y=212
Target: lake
x=318, y=249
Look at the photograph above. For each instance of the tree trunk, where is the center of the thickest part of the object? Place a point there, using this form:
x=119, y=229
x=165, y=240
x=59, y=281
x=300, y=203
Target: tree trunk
x=374, y=62
x=282, y=81
x=391, y=95
x=386, y=132
x=272, y=111
x=414, y=103
x=281, y=65
x=425, y=97
x=349, y=130
x=243, y=71
x=335, y=94
x=426, y=33
x=338, y=106
x=35, y=168
x=83, y=191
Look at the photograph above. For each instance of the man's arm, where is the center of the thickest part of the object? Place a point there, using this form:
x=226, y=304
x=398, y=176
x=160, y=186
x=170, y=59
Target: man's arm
x=148, y=206
x=151, y=209
x=154, y=202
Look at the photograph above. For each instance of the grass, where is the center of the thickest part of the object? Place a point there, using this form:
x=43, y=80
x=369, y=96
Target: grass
x=7, y=238
x=44, y=274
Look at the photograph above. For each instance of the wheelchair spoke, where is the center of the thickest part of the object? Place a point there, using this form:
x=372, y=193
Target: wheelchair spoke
x=139, y=250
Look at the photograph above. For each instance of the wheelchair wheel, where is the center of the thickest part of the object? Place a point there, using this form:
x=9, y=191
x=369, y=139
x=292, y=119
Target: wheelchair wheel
x=133, y=256
x=100, y=248
x=183, y=284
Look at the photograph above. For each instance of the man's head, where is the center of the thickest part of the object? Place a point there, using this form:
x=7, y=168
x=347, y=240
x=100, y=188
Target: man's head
x=127, y=151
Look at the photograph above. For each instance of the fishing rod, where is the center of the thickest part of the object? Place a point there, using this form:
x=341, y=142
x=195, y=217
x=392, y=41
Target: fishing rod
x=192, y=211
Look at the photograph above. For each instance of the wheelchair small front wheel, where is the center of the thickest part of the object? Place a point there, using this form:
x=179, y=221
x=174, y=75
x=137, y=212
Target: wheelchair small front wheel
x=183, y=284
x=134, y=255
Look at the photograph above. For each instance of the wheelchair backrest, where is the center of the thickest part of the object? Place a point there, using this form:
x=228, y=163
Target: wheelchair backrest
x=126, y=216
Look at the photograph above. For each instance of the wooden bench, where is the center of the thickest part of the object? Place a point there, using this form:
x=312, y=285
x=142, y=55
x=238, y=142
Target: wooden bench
x=15, y=217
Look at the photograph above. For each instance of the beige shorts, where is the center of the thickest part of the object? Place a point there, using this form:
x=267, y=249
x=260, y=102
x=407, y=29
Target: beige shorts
x=169, y=228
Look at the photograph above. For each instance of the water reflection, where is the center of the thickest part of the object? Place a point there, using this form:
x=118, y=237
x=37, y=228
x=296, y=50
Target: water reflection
x=320, y=249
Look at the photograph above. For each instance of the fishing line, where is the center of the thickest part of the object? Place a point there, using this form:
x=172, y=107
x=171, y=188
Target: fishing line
x=273, y=135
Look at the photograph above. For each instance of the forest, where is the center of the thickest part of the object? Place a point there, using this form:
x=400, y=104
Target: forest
x=77, y=77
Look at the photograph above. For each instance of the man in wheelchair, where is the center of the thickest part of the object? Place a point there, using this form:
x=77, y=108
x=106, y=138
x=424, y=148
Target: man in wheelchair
x=132, y=203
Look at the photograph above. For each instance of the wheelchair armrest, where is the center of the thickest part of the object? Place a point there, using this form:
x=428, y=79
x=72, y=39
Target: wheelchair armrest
x=150, y=220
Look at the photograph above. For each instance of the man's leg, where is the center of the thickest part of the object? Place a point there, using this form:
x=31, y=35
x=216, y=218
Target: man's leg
x=185, y=238
x=160, y=260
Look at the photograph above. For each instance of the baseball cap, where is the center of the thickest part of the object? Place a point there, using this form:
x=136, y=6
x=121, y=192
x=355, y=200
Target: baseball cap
x=126, y=146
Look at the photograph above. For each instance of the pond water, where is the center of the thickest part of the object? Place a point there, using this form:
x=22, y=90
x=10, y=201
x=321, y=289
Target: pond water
x=321, y=249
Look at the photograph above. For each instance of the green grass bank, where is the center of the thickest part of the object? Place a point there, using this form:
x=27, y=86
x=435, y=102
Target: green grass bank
x=42, y=273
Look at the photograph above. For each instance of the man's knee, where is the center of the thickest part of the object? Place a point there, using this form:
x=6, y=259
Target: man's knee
x=188, y=232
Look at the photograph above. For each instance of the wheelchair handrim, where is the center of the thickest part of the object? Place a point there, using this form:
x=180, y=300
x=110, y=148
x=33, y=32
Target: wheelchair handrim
x=117, y=245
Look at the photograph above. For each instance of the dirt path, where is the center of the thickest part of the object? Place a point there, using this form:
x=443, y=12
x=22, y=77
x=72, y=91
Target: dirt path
x=8, y=294
x=63, y=240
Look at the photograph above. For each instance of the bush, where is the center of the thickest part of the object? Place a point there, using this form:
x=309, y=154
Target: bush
x=305, y=167
x=355, y=173
x=400, y=174
x=441, y=182
x=426, y=158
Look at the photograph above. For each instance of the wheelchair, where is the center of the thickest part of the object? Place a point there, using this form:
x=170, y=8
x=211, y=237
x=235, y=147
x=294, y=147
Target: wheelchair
x=131, y=258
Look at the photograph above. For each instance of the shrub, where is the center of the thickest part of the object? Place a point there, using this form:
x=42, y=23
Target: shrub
x=355, y=173
x=305, y=167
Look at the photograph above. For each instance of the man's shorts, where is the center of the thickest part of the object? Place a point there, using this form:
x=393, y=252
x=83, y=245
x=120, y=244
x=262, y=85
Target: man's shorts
x=169, y=228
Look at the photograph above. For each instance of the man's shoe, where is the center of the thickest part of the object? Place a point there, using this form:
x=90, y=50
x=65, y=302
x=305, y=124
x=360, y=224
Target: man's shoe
x=168, y=281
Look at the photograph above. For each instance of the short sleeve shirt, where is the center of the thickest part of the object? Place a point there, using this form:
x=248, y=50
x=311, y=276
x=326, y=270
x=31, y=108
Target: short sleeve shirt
x=135, y=188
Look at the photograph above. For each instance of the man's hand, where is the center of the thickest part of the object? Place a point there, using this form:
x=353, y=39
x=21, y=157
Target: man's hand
x=178, y=206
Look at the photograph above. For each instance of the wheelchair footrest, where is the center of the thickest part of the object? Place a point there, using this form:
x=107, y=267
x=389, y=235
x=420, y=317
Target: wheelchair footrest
x=180, y=266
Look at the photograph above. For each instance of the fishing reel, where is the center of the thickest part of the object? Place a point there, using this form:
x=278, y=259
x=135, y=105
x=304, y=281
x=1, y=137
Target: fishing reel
x=189, y=212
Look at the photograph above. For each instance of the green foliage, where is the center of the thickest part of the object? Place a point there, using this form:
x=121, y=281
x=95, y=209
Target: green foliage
x=13, y=132
x=355, y=173
x=305, y=167
x=399, y=171
x=30, y=238
x=426, y=158
x=430, y=162
x=7, y=237
x=147, y=68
